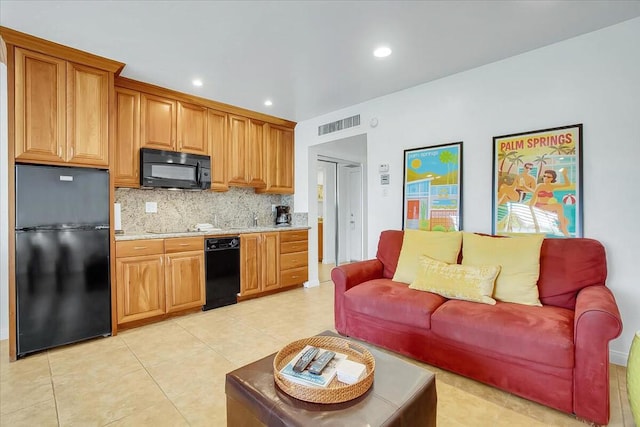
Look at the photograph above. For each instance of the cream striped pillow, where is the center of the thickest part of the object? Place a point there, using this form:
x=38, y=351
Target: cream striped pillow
x=455, y=281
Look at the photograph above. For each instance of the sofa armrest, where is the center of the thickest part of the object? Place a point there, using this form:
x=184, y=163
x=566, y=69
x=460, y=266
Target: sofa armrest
x=347, y=276
x=597, y=321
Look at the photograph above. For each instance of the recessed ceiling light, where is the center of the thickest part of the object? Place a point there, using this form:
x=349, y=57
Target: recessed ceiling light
x=268, y=103
x=382, y=52
x=197, y=82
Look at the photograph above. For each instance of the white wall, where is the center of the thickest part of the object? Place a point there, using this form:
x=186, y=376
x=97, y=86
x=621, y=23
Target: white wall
x=4, y=208
x=592, y=79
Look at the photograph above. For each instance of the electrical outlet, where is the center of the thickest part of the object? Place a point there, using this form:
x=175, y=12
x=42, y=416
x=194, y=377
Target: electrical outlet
x=151, y=207
x=273, y=208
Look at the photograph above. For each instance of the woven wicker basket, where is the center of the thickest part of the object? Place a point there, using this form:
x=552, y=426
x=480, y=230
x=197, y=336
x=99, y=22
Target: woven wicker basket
x=335, y=392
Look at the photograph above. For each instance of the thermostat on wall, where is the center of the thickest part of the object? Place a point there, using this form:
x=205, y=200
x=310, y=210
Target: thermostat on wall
x=383, y=168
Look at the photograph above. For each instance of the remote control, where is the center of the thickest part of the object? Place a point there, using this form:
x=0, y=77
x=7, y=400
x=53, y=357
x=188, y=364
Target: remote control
x=305, y=359
x=318, y=365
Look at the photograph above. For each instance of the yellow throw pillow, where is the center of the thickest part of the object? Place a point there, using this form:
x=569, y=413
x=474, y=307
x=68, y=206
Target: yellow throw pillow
x=455, y=281
x=441, y=245
x=519, y=259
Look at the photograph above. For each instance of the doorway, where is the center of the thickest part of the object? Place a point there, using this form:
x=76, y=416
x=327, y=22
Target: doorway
x=337, y=189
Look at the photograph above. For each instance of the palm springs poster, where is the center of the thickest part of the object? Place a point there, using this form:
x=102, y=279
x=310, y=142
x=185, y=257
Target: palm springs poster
x=433, y=188
x=537, y=182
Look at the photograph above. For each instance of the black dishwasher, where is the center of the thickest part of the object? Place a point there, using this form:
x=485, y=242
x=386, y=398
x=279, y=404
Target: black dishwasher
x=222, y=271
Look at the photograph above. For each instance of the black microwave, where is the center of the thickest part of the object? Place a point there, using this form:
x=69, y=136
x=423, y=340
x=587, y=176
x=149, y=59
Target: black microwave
x=170, y=169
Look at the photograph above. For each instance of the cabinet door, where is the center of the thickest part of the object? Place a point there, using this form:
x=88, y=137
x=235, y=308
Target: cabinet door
x=158, y=122
x=139, y=287
x=184, y=278
x=126, y=164
x=279, y=160
x=282, y=173
x=256, y=153
x=270, y=252
x=192, y=129
x=40, y=105
x=237, y=161
x=87, y=115
x=250, y=267
x=218, y=149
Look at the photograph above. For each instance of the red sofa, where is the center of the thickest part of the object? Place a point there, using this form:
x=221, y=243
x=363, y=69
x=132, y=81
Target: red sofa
x=557, y=354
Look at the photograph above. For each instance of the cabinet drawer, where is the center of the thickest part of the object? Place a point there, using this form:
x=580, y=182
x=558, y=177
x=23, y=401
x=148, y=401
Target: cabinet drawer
x=294, y=276
x=129, y=248
x=183, y=244
x=294, y=260
x=290, y=236
x=297, y=246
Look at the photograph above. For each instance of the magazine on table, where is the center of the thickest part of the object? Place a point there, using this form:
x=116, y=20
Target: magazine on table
x=307, y=378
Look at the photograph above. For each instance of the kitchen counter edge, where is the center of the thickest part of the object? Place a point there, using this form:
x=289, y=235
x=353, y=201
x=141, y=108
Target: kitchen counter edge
x=215, y=233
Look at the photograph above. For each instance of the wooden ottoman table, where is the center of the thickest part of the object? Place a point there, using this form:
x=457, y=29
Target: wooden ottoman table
x=402, y=394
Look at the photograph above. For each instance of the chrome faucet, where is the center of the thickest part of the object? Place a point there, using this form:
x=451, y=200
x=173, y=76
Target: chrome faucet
x=255, y=219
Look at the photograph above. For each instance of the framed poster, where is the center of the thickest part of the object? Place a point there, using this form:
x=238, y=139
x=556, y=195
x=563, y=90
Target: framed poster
x=537, y=182
x=432, y=188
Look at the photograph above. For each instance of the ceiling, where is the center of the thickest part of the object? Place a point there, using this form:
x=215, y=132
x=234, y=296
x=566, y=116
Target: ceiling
x=308, y=57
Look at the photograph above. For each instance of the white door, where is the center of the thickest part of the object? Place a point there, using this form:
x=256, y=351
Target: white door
x=354, y=226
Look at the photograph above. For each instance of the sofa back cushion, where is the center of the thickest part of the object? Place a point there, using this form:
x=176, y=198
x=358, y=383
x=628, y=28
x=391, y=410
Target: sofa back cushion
x=389, y=248
x=568, y=265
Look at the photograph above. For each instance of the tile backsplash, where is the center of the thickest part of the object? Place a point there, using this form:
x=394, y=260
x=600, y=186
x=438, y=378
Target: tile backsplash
x=179, y=210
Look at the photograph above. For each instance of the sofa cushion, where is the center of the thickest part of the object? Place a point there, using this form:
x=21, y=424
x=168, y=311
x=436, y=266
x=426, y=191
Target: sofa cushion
x=392, y=301
x=389, y=251
x=440, y=245
x=464, y=282
x=538, y=334
x=568, y=265
x=519, y=258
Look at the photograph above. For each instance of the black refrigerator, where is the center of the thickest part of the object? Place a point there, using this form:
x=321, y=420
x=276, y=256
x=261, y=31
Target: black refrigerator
x=62, y=256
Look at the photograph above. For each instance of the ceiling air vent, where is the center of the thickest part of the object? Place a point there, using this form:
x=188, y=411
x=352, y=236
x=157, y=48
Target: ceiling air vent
x=347, y=123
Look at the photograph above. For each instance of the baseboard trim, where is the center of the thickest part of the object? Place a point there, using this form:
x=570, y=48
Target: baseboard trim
x=618, y=357
x=311, y=283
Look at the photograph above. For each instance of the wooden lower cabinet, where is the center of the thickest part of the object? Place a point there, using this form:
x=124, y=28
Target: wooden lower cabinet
x=184, y=278
x=140, y=287
x=156, y=277
x=294, y=257
x=259, y=263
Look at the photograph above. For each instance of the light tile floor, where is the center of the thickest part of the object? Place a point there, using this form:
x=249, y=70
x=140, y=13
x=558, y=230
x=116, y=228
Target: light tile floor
x=172, y=373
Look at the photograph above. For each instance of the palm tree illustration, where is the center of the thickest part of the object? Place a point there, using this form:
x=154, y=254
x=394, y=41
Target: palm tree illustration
x=448, y=158
x=515, y=160
x=504, y=155
x=540, y=160
x=558, y=150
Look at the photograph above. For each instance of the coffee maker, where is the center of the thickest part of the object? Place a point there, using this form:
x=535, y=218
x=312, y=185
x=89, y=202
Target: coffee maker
x=283, y=217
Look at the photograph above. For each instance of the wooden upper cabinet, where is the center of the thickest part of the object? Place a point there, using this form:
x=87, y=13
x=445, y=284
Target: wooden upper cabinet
x=246, y=152
x=158, y=122
x=280, y=161
x=192, y=128
x=87, y=115
x=237, y=161
x=40, y=104
x=126, y=164
x=218, y=149
x=256, y=154
x=61, y=111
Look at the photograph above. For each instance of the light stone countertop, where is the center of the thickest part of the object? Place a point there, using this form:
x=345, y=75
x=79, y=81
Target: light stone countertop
x=213, y=233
